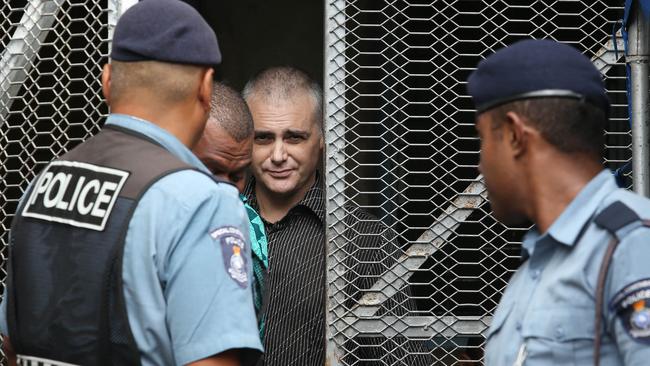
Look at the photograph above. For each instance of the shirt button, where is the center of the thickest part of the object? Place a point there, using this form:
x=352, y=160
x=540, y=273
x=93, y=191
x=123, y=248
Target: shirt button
x=535, y=274
x=518, y=326
x=559, y=332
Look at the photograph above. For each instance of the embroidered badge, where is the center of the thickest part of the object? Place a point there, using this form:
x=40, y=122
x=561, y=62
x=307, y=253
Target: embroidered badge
x=232, y=243
x=632, y=306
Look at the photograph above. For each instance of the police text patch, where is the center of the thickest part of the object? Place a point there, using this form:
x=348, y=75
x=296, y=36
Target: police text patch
x=632, y=306
x=233, y=244
x=74, y=193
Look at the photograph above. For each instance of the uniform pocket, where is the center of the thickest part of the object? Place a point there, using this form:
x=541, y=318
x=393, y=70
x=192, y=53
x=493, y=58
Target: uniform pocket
x=564, y=335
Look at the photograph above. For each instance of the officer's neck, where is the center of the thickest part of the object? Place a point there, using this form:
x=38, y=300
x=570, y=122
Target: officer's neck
x=554, y=179
x=179, y=120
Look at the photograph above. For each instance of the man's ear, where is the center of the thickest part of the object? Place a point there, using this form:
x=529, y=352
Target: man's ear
x=106, y=83
x=205, y=89
x=517, y=133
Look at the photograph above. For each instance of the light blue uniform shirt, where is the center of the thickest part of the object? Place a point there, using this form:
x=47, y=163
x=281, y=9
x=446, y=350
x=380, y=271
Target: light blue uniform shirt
x=182, y=302
x=546, y=315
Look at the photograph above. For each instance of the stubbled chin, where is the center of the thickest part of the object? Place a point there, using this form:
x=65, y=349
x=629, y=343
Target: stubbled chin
x=280, y=185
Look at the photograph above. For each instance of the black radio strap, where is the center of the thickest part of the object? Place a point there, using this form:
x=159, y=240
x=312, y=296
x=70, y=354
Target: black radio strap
x=613, y=218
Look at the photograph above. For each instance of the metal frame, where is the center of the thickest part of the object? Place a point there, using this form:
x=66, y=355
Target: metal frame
x=637, y=59
x=334, y=73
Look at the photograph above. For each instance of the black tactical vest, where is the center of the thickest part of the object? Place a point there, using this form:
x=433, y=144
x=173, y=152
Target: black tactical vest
x=65, y=263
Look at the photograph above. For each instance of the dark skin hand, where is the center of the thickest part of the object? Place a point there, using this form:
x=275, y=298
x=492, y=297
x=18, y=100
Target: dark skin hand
x=8, y=349
x=228, y=358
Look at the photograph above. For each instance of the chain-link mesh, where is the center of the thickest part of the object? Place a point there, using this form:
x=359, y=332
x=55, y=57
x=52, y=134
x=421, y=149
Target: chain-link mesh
x=50, y=90
x=401, y=145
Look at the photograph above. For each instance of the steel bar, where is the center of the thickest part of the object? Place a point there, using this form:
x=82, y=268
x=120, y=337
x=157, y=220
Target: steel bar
x=18, y=58
x=414, y=327
x=334, y=116
x=637, y=59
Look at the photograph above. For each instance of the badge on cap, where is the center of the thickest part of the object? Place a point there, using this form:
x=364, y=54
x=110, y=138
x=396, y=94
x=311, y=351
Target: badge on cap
x=632, y=306
x=232, y=244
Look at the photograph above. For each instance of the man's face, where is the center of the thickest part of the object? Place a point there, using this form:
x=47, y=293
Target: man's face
x=288, y=144
x=498, y=170
x=226, y=158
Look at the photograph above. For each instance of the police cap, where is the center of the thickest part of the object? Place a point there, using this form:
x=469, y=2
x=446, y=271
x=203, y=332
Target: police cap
x=165, y=30
x=536, y=69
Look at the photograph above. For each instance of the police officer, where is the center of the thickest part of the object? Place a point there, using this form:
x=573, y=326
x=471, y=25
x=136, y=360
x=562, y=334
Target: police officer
x=582, y=296
x=125, y=251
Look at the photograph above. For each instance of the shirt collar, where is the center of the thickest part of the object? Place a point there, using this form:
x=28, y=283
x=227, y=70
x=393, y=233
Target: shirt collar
x=159, y=135
x=314, y=199
x=568, y=226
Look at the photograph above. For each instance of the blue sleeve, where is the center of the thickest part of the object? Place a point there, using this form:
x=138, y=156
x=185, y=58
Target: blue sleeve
x=4, y=328
x=628, y=297
x=197, y=285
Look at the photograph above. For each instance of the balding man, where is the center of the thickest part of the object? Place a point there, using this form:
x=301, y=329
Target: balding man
x=225, y=148
x=287, y=190
x=227, y=141
x=125, y=251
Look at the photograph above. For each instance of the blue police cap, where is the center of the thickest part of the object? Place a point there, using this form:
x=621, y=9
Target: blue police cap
x=536, y=69
x=165, y=30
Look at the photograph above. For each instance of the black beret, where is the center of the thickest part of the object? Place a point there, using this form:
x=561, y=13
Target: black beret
x=165, y=30
x=536, y=69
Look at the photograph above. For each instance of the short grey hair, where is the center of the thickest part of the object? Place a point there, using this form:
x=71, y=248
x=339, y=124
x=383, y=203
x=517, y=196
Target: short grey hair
x=276, y=84
x=230, y=111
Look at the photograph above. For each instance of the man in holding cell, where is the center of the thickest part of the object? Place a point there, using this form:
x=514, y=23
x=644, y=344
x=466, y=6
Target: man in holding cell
x=287, y=190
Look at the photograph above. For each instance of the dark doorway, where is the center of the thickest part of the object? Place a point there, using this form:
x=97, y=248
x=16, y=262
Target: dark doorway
x=255, y=34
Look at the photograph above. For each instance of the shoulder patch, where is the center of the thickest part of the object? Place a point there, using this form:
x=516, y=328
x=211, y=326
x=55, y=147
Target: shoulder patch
x=232, y=243
x=632, y=307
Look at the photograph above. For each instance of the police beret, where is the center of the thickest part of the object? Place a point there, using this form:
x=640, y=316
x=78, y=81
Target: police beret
x=165, y=30
x=536, y=69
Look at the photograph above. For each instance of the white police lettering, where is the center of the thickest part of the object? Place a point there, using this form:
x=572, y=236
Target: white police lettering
x=228, y=230
x=82, y=207
x=77, y=194
x=102, y=198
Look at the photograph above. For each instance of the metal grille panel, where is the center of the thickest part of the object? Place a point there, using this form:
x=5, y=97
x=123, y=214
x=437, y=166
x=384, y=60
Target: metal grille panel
x=401, y=145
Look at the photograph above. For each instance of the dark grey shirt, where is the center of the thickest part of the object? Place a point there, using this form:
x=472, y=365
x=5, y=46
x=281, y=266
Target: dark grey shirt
x=296, y=281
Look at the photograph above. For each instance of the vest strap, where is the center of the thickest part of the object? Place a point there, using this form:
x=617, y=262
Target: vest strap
x=613, y=218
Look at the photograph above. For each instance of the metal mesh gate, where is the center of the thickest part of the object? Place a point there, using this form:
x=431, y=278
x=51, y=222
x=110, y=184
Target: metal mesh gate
x=401, y=145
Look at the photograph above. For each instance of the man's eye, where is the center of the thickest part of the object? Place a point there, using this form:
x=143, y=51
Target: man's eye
x=294, y=139
x=262, y=139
